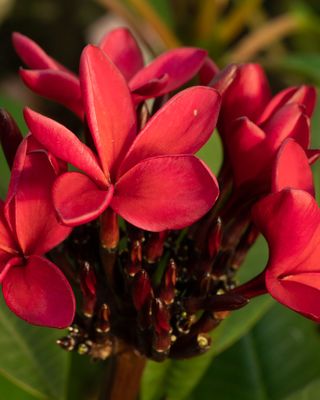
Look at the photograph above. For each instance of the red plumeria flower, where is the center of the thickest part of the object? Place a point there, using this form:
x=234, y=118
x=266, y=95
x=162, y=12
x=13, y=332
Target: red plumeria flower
x=290, y=221
x=166, y=73
x=249, y=95
x=33, y=287
x=152, y=180
x=252, y=148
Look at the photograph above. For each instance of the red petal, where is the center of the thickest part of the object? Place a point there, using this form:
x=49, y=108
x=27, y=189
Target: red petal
x=55, y=85
x=208, y=71
x=180, y=64
x=247, y=96
x=123, y=50
x=108, y=107
x=35, y=222
x=63, y=144
x=290, y=221
x=246, y=142
x=181, y=126
x=290, y=121
x=168, y=192
x=291, y=169
x=10, y=136
x=39, y=293
x=303, y=95
x=32, y=54
x=298, y=292
x=78, y=199
x=7, y=243
x=313, y=155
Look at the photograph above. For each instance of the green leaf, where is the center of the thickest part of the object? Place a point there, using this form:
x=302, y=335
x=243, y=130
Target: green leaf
x=164, y=9
x=307, y=65
x=211, y=153
x=30, y=358
x=164, y=380
x=310, y=392
x=8, y=390
x=279, y=357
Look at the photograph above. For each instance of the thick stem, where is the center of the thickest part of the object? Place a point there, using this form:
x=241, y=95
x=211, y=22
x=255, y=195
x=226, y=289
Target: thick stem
x=124, y=376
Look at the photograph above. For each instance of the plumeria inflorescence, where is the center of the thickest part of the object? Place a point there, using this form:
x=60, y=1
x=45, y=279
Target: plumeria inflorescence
x=141, y=229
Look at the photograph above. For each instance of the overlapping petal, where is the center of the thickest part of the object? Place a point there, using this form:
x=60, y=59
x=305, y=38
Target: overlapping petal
x=291, y=169
x=108, y=107
x=179, y=64
x=39, y=293
x=301, y=95
x=290, y=221
x=55, y=85
x=123, y=50
x=166, y=192
x=63, y=144
x=247, y=96
x=77, y=199
x=30, y=204
x=182, y=126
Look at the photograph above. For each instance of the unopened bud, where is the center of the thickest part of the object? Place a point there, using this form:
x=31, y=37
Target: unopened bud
x=141, y=289
x=154, y=246
x=88, y=288
x=214, y=239
x=169, y=280
x=161, y=317
x=103, y=320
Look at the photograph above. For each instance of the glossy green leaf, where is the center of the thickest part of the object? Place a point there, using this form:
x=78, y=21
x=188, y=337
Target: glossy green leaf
x=30, y=358
x=278, y=358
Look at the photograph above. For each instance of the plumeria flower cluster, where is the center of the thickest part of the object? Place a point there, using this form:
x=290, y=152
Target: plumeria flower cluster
x=125, y=215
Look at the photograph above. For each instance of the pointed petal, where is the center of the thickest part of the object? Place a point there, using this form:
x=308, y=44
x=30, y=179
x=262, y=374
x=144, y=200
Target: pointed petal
x=246, y=142
x=35, y=222
x=33, y=55
x=108, y=107
x=291, y=169
x=313, y=155
x=180, y=64
x=63, y=144
x=78, y=200
x=39, y=293
x=246, y=96
x=55, y=85
x=208, y=71
x=289, y=121
x=300, y=293
x=182, y=126
x=10, y=136
x=290, y=221
x=303, y=95
x=168, y=192
x=123, y=50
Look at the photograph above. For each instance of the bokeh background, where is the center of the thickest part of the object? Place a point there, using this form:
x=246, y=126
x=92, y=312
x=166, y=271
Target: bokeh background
x=262, y=352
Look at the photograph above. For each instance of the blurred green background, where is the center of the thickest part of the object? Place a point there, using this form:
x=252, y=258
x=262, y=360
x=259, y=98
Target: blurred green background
x=262, y=352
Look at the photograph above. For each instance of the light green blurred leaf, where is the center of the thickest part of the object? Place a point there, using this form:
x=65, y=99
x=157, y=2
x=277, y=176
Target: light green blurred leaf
x=279, y=357
x=307, y=65
x=30, y=358
x=8, y=390
x=310, y=392
x=164, y=9
x=211, y=153
x=166, y=379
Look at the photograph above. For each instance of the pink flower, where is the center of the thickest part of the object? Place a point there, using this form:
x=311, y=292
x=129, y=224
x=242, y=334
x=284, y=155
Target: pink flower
x=166, y=73
x=33, y=287
x=152, y=180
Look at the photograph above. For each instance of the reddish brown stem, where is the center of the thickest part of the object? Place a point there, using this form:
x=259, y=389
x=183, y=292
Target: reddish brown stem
x=124, y=376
